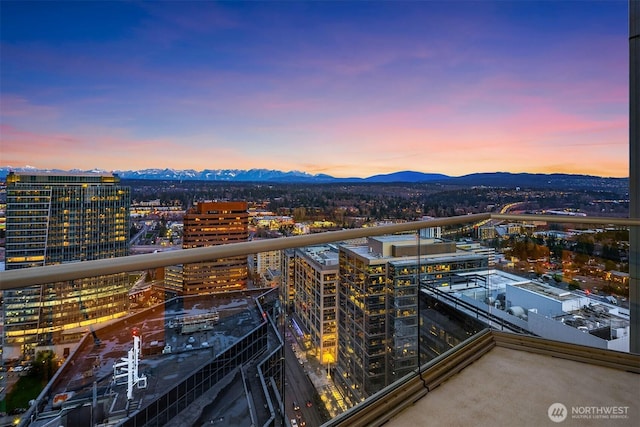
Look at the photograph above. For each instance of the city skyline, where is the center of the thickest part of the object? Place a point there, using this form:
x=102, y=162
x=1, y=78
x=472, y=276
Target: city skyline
x=342, y=88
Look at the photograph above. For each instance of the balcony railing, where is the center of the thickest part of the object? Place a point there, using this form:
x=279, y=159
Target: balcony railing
x=271, y=361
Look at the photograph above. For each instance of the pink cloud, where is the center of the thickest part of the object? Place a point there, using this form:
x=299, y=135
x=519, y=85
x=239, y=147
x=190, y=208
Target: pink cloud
x=67, y=151
x=18, y=106
x=530, y=141
x=116, y=149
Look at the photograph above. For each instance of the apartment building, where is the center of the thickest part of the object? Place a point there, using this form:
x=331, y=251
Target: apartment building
x=378, y=306
x=315, y=298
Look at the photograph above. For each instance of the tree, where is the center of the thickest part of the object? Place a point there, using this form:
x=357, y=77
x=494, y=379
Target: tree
x=573, y=285
x=585, y=245
x=609, y=265
x=299, y=214
x=44, y=365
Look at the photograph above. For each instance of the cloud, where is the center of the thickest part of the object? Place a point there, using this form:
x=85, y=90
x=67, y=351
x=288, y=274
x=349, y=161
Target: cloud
x=16, y=106
x=345, y=89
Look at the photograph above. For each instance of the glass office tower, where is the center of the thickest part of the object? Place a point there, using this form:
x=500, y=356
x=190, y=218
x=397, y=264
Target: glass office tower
x=61, y=218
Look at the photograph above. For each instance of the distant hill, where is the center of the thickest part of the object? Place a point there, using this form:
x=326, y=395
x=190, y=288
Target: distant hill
x=529, y=180
x=496, y=179
x=407, y=176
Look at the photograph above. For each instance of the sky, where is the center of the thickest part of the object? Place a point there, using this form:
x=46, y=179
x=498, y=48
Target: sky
x=344, y=88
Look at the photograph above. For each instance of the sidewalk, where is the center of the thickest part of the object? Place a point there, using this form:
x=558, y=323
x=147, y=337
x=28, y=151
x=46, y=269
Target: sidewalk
x=317, y=374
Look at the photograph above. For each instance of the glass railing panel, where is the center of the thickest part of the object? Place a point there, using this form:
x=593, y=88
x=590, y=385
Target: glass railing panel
x=340, y=320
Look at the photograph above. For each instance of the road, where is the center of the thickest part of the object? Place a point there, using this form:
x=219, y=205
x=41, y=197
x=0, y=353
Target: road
x=298, y=388
x=134, y=240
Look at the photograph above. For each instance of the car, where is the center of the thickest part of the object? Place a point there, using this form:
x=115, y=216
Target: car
x=296, y=407
x=294, y=423
x=302, y=423
x=18, y=368
x=309, y=404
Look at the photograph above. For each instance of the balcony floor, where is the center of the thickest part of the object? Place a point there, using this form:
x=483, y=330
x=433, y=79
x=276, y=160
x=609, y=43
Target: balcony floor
x=515, y=388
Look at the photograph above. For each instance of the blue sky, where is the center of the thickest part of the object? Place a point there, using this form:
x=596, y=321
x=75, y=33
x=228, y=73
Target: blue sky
x=343, y=88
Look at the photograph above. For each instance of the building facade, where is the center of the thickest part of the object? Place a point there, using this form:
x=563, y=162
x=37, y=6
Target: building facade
x=54, y=219
x=209, y=224
x=315, y=298
x=286, y=277
x=479, y=249
x=173, y=278
x=378, y=314
x=262, y=267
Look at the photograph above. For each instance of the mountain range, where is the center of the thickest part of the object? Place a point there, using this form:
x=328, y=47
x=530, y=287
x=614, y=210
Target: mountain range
x=494, y=179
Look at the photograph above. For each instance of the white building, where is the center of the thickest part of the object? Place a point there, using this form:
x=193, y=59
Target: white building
x=261, y=263
x=544, y=310
x=477, y=248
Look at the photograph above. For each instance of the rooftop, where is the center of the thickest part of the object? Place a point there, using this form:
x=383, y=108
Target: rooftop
x=326, y=255
x=546, y=290
x=161, y=326
x=490, y=290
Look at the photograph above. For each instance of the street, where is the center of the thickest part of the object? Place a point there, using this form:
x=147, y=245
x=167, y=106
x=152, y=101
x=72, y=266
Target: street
x=299, y=389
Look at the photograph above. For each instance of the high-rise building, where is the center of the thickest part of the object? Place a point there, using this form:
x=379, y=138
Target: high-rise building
x=287, y=277
x=378, y=306
x=315, y=298
x=54, y=219
x=216, y=223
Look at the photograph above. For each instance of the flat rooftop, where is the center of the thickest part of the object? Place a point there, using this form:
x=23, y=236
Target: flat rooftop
x=189, y=351
x=492, y=279
x=548, y=291
x=326, y=255
x=593, y=316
